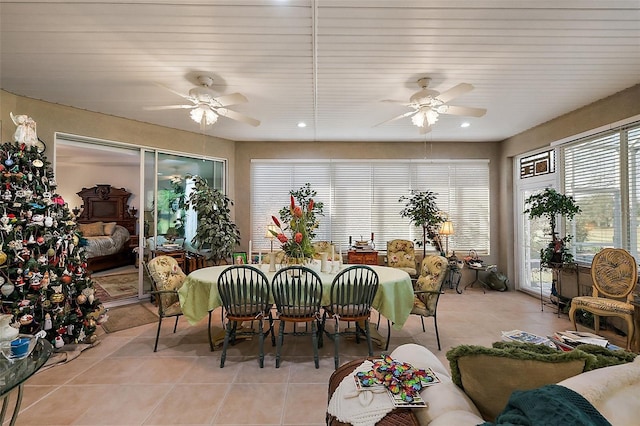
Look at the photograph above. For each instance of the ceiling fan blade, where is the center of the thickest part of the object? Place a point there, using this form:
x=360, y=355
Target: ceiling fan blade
x=231, y=99
x=406, y=114
x=224, y=112
x=393, y=101
x=454, y=92
x=158, y=108
x=182, y=95
x=466, y=111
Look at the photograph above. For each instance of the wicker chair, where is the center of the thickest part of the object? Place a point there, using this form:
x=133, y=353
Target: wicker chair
x=166, y=278
x=352, y=293
x=428, y=288
x=297, y=292
x=614, y=273
x=244, y=291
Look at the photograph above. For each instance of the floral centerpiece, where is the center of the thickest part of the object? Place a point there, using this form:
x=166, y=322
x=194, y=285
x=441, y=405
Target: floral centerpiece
x=300, y=221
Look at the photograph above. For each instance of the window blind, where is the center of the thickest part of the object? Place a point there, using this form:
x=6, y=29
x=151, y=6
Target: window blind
x=592, y=177
x=362, y=197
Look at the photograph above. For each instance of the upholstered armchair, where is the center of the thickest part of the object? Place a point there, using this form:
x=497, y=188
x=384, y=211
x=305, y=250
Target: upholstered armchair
x=427, y=289
x=401, y=255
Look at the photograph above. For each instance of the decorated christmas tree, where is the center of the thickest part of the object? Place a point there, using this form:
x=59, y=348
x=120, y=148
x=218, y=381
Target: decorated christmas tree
x=43, y=279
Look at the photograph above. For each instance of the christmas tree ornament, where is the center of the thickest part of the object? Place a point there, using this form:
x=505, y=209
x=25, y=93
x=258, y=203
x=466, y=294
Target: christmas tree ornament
x=58, y=342
x=48, y=325
x=7, y=288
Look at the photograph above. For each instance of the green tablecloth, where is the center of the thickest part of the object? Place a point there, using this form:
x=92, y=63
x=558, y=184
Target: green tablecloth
x=394, y=299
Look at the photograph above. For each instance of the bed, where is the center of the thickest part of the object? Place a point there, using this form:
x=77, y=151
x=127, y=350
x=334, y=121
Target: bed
x=108, y=227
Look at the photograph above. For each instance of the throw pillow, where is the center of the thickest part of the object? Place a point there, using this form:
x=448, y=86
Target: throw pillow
x=489, y=375
x=109, y=228
x=95, y=229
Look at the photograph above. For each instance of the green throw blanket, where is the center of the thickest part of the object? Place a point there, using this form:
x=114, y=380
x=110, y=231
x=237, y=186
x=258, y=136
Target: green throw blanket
x=549, y=405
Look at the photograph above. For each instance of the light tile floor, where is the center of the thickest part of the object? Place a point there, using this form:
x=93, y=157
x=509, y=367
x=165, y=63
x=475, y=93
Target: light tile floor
x=121, y=381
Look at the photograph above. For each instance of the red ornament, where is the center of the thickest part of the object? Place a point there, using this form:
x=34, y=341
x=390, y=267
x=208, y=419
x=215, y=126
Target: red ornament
x=66, y=279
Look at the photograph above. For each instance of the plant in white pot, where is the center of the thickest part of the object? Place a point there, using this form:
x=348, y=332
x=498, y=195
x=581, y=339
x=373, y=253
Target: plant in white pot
x=215, y=231
x=551, y=204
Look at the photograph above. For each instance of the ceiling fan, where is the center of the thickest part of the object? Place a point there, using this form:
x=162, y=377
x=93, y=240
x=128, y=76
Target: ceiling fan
x=428, y=104
x=206, y=107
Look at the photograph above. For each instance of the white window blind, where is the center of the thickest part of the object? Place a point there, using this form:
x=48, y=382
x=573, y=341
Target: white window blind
x=592, y=177
x=362, y=197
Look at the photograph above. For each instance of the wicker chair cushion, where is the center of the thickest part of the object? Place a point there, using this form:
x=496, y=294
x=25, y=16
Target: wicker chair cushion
x=602, y=304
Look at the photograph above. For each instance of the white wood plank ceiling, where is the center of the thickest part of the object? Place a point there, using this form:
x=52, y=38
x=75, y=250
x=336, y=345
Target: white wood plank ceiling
x=328, y=63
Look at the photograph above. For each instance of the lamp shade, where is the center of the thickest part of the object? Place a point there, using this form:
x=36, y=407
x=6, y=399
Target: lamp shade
x=268, y=233
x=446, y=228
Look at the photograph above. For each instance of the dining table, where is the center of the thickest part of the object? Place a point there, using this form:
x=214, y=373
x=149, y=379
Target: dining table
x=394, y=298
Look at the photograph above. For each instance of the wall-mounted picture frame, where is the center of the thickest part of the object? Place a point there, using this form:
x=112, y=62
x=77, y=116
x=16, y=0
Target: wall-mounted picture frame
x=240, y=258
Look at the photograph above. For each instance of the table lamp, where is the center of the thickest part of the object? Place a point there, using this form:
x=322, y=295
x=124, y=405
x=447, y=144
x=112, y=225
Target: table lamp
x=446, y=229
x=269, y=235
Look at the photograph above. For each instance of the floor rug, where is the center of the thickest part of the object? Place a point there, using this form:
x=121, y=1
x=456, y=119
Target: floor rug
x=128, y=316
x=120, y=285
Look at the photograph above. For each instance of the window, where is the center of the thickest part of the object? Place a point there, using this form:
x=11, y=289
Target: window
x=601, y=173
x=361, y=198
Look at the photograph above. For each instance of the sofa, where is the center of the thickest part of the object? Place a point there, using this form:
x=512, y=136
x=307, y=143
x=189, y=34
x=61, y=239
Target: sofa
x=612, y=392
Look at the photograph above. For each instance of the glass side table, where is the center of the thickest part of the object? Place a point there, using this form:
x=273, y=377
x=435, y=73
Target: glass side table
x=13, y=374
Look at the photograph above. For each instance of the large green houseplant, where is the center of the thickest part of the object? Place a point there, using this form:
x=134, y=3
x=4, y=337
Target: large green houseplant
x=421, y=208
x=215, y=231
x=551, y=204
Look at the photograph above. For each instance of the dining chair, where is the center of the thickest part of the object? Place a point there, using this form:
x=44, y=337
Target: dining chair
x=614, y=273
x=352, y=292
x=297, y=292
x=166, y=278
x=244, y=291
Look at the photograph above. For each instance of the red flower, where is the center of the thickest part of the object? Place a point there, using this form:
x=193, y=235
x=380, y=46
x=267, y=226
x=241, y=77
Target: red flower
x=276, y=221
x=310, y=205
x=282, y=238
x=293, y=203
x=298, y=237
x=297, y=211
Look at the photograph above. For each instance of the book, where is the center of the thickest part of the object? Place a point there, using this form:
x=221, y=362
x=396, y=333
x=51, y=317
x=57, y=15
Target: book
x=575, y=338
x=525, y=337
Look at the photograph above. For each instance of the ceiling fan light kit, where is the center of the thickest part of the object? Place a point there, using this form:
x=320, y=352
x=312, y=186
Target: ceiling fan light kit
x=206, y=107
x=428, y=104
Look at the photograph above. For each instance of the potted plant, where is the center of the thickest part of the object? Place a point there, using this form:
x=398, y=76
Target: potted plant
x=215, y=231
x=421, y=209
x=551, y=204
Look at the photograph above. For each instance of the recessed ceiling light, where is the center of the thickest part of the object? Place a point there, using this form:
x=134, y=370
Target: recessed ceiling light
x=465, y=124
x=302, y=124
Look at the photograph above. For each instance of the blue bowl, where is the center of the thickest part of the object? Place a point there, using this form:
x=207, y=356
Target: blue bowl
x=20, y=347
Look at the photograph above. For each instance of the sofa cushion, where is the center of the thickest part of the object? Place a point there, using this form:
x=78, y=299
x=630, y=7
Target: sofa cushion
x=489, y=375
